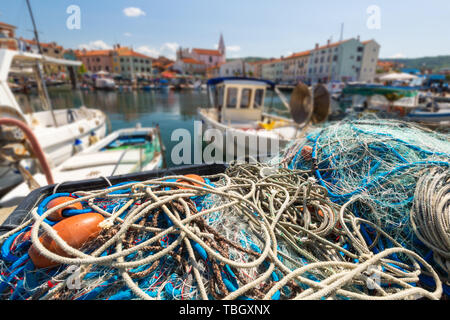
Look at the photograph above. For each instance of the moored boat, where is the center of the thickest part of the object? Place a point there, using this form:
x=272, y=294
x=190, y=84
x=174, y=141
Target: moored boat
x=56, y=130
x=124, y=151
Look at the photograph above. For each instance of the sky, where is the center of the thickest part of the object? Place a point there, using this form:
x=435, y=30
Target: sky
x=262, y=28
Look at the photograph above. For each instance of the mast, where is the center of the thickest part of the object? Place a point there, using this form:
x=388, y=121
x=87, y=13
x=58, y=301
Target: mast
x=39, y=67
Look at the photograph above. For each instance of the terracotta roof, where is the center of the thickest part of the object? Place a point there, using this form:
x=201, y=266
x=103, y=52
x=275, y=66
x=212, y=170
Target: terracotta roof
x=207, y=52
x=43, y=44
x=2, y=24
x=191, y=61
x=93, y=53
x=299, y=54
x=127, y=52
x=331, y=45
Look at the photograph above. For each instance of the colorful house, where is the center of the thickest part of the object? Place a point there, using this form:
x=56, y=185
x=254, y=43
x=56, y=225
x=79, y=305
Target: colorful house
x=193, y=59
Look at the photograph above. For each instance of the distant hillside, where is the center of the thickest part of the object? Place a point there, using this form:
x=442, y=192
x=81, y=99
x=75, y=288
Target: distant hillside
x=434, y=63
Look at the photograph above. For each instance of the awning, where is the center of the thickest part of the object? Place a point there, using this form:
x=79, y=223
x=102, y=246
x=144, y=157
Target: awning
x=398, y=76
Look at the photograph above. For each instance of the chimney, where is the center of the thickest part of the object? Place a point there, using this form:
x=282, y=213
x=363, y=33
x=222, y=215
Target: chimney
x=328, y=42
x=358, y=38
x=317, y=46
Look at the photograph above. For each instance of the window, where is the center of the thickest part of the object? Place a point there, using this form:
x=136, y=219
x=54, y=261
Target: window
x=359, y=58
x=121, y=59
x=232, y=97
x=245, y=98
x=360, y=49
x=259, y=96
x=220, y=97
x=335, y=58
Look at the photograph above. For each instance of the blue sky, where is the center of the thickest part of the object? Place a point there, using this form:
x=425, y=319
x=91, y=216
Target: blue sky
x=267, y=28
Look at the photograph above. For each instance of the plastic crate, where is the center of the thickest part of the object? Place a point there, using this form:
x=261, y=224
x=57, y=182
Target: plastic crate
x=36, y=196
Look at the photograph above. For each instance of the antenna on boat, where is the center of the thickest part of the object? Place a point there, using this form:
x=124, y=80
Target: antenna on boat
x=38, y=66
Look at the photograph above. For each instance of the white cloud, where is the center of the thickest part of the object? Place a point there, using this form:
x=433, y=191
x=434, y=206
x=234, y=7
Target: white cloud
x=230, y=48
x=168, y=50
x=127, y=34
x=398, y=56
x=95, y=45
x=133, y=12
x=233, y=48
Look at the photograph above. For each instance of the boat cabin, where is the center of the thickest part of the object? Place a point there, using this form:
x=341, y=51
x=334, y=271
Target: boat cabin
x=238, y=100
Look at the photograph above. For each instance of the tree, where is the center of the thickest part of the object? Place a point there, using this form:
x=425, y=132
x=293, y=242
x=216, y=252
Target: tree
x=82, y=70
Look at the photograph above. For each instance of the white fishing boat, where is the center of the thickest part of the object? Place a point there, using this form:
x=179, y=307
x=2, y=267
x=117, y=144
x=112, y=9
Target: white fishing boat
x=440, y=114
x=103, y=81
x=403, y=102
x=56, y=130
x=237, y=109
x=122, y=152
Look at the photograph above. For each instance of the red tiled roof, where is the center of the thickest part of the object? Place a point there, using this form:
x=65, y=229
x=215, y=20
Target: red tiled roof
x=299, y=54
x=93, y=53
x=331, y=45
x=130, y=53
x=207, y=52
x=191, y=61
x=2, y=24
x=42, y=44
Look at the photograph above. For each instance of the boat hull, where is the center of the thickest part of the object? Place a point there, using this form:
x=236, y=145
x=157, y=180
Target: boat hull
x=241, y=143
x=58, y=142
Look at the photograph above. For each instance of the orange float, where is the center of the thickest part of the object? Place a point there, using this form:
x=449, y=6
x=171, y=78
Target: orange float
x=76, y=231
x=192, y=176
x=58, y=214
x=306, y=153
x=319, y=212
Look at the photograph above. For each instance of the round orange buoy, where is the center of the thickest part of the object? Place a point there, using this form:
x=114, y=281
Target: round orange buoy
x=58, y=214
x=311, y=209
x=76, y=231
x=306, y=153
x=192, y=176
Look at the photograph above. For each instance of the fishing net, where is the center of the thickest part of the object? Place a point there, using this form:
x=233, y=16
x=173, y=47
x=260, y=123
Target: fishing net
x=384, y=163
x=255, y=232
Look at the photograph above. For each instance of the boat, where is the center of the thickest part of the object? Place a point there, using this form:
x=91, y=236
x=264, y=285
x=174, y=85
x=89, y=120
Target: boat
x=56, y=130
x=122, y=152
x=103, y=82
x=237, y=109
x=404, y=102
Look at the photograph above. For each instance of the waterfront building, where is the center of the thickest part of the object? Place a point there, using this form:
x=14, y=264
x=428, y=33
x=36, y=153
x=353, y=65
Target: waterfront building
x=347, y=60
x=369, y=61
x=161, y=64
x=273, y=70
x=295, y=67
x=131, y=64
x=236, y=68
x=190, y=66
x=213, y=72
x=199, y=60
x=96, y=60
x=7, y=36
x=51, y=49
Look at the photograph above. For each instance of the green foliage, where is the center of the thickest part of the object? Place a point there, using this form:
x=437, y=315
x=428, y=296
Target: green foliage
x=434, y=63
